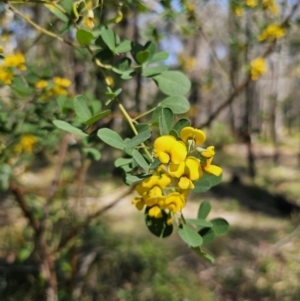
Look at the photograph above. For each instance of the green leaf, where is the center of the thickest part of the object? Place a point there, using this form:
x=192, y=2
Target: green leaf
x=178, y=104
x=174, y=134
x=159, y=57
x=173, y=83
x=20, y=87
x=214, y=180
x=109, y=38
x=122, y=161
x=208, y=235
x=156, y=114
x=143, y=56
x=180, y=124
x=138, y=139
x=204, y=210
x=114, y=94
x=202, y=185
x=111, y=138
x=97, y=117
x=140, y=159
x=67, y=5
x=84, y=37
x=158, y=226
x=92, y=152
x=151, y=47
x=190, y=236
x=125, y=46
x=165, y=121
x=81, y=108
x=65, y=126
x=130, y=179
x=141, y=127
x=203, y=254
x=154, y=164
x=221, y=226
x=206, y=182
x=152, y=71
x=59, y=14
x=199, y=222
x=96, y=106
x=65, y=103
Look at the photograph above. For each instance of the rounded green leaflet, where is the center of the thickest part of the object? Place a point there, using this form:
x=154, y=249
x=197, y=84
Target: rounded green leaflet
x=109, y=38
x=221, y=226
x=173, y=83
x=190, y=236
x=178, y=104
x=165, y=121
x=84, y=37
x=111, y=138
x=142, y=56
x=81, y=108
x=208, y=235
x=202, y=185
x=180, y=124
x=204, y=209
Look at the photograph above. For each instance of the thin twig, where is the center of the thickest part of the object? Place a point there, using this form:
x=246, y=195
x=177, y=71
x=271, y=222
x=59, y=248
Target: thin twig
x=41, y=29
x=73, y=232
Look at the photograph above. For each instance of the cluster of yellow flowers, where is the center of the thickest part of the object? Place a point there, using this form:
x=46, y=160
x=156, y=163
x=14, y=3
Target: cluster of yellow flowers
x=168, y=187
x=258, y=68
x=26, y=144
x=272, y=32
x=11, y=61
x=269, y=5
x=59, y=88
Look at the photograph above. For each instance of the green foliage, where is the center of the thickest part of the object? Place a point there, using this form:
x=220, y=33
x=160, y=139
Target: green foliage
x=173, y=83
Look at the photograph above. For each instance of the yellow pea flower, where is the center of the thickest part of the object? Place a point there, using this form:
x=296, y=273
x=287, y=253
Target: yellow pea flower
x=251, y=3
x=207, y=166
x=26, y=143
x=155, y=212
x=271, y=6
x=273, y=31
x=168, y=149
x=190, y=133
x=139, y=203
x=175, y=202
x=258, y=68
x=15, y=60
x=41, y=84
x=5, y=76
x=187, y=171
x=62, y=82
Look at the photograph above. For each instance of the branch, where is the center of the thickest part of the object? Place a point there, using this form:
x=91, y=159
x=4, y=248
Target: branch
x=73, y=232
x=19, y=196
x=246, y=82
x=39, y=28
x=54, y=184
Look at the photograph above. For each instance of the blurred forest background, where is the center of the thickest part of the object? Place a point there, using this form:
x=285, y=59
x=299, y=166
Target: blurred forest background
x=255, y=126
